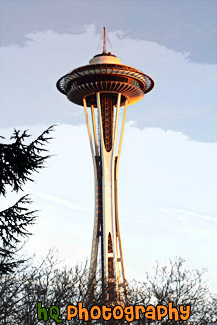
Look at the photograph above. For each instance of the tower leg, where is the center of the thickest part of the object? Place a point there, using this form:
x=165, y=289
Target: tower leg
x=95, y=241
x=106, y=232
x=121, y=258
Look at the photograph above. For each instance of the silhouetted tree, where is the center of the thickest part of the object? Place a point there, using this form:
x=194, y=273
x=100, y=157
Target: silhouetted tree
x=174, y=283
x=46, y=282
x=54, y=284
x=18, y=161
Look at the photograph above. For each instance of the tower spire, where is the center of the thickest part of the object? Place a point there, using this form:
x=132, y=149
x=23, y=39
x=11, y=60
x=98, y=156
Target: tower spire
x=104, y=40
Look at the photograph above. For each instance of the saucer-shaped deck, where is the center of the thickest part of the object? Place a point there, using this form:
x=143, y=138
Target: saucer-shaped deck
x=107, y=78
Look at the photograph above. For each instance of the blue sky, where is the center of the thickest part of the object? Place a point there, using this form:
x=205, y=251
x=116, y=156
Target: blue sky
x=168, y=176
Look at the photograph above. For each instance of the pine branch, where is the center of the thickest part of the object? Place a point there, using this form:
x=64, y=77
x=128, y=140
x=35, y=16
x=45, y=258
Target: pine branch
x=13, y=225
x=18, y=161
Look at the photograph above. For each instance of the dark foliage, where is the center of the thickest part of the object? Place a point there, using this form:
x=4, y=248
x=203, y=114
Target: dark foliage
x=18, y=161
x=14, y=222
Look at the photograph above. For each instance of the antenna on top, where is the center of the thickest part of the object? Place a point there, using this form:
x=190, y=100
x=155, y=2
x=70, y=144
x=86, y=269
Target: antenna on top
x=104, y=40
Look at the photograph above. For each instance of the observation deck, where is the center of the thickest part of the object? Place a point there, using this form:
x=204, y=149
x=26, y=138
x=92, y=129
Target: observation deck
x=105, y=74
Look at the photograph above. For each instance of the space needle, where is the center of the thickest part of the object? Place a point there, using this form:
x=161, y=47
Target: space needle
x=103, y=88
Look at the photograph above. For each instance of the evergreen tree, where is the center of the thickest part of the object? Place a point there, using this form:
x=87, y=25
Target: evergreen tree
x=18, y=161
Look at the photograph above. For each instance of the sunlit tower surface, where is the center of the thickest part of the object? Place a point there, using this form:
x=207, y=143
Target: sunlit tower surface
x=104, y=86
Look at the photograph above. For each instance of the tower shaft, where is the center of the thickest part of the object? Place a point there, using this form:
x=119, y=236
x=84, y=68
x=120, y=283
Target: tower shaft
x=106, y=234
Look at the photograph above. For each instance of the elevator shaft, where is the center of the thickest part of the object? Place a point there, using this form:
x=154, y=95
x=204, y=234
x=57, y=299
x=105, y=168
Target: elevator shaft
x=106, y=246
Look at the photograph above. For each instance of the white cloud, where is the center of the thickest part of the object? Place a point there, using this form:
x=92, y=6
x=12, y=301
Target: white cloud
x=184, y=215
x=60, y=201
x=168, y=165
